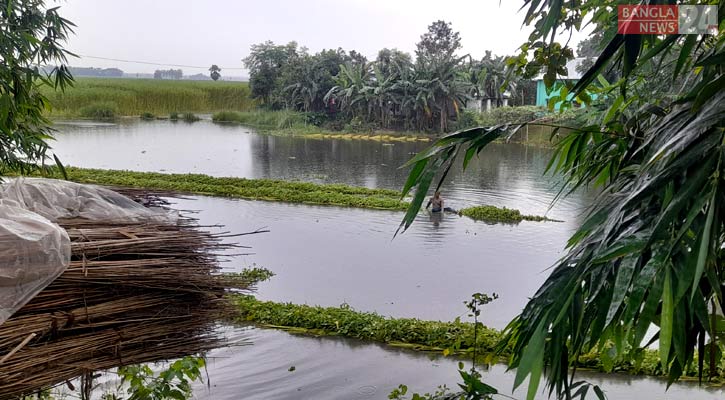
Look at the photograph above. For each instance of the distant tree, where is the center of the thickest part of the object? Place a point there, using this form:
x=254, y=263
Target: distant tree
x=589, y=49
x=390, y=61
x=355, y=58
x=30, y=35
x=168, y=74
x=215, y=72
x=265, y=63
x=440, y=42
x=113, y=72
x=441, y=72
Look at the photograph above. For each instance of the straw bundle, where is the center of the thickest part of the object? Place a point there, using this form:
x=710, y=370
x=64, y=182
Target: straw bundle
x=134, y=292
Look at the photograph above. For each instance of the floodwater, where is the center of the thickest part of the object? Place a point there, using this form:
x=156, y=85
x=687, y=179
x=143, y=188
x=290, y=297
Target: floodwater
x=331, y=256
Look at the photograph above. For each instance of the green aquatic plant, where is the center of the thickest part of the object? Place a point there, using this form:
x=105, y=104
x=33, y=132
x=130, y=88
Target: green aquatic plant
x=458, y=337
x=495, y=214
x=148, y=116
x=174, y=116
x=447, y=338
x=253, y=189
x=99, y=110
x=251, y=276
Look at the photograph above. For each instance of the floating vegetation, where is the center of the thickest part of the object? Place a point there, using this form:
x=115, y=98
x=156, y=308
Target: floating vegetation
x=99, y=110
x=254, y=189
x=495, y=214
x=147, y=116
x=174, y=116
x=449, y=338
x=412, y=333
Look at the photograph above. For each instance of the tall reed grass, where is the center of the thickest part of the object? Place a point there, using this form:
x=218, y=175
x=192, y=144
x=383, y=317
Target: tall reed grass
x=159, y=97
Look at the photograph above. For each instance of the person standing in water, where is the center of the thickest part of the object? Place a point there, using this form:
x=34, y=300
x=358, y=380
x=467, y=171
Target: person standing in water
x=436, y=201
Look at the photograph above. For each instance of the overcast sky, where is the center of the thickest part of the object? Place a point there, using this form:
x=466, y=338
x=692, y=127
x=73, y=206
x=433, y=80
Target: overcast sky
x=196, y=33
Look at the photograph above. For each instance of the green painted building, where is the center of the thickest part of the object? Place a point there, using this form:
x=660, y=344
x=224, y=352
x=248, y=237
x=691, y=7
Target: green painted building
x=542, y=98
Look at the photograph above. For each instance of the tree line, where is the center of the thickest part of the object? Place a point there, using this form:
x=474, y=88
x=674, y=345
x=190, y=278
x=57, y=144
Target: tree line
x=393, y=91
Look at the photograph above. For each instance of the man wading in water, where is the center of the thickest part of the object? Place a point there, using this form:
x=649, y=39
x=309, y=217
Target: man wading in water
x=436, y=201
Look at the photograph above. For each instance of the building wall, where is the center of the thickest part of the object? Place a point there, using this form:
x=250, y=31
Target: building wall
x=542, y=98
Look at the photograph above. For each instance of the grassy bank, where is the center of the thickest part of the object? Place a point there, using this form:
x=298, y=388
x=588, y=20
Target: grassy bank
x=296, y=123
x=255, y=189
x=454, y=337
x=122, y=97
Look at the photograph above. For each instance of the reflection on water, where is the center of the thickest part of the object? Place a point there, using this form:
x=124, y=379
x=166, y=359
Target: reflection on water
x=344, y=369
x=504, y=174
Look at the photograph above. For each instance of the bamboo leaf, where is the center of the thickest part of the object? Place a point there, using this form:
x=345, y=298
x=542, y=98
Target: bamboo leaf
x=60, y=166
x=532, y=356
x=621, y=285
x=666, y=320
x=413, y=176
x=684, y=54
x=704, y=245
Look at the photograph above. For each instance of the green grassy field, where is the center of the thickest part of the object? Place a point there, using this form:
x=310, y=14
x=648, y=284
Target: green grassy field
x=136, y=96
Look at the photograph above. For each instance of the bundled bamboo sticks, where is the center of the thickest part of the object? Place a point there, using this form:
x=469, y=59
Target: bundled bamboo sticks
x=134, y=292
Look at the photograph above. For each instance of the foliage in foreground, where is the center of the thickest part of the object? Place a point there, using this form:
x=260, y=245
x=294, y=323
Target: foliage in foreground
x=138, y=382
x=172, y=383
x=30, y=35
x=650, y=253
x=255, y=189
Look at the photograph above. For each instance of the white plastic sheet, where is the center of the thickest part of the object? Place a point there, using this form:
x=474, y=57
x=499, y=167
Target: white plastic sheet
x=33, y=249
x=56, y=199
x=33, y=252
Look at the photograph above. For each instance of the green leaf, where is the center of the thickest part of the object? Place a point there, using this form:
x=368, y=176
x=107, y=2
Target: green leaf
x=704, y=244
x=532, y=358
x=60, y=167
x=666, y=320
x=621, y=285
x=413, y=176
x=684, y=54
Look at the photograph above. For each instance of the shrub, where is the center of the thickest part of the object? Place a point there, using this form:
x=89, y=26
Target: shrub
x=508, y=115
x=190, y=117
x=99, y=110
x=467, y=119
